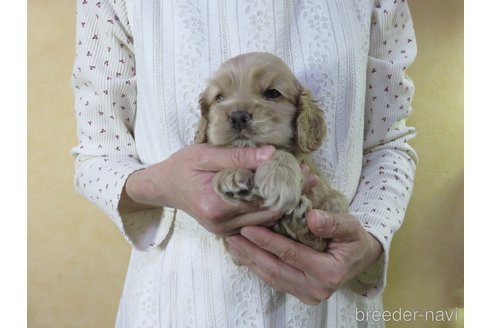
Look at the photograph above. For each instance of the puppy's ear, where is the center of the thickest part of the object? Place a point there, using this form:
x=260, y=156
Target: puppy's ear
x=201, y=132
x=310, y=123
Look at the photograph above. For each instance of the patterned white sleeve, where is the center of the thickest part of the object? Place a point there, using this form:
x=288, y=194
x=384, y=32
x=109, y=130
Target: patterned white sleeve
x=104, y=82
x=389, y=162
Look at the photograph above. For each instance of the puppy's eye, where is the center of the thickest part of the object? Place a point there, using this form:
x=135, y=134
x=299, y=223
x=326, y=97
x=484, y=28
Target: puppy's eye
x=272, y=94
x=219, y=98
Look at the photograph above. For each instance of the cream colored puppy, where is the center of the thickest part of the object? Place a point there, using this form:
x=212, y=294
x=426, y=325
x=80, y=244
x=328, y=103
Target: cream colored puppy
x=254, y=99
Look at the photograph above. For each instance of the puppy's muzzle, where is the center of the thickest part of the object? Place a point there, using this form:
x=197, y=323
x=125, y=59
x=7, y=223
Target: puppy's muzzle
x=239, y=119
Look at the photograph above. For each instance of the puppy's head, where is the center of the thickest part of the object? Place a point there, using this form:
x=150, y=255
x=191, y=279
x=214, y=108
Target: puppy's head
x=254, y=99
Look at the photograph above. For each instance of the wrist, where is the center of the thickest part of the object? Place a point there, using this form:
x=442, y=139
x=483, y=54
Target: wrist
x=140, y=186
x=375, y=248
x=140, y=191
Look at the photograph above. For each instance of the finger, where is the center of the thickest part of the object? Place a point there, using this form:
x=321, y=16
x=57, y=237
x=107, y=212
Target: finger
x=216, y=159
x=264, y=217
x=310, y=181
x=293, y=253
x=271, y=269
x=340, y=227
x=241, y=208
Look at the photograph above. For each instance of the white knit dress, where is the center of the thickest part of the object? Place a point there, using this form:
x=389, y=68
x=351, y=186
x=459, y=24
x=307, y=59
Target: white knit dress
x=351, y=54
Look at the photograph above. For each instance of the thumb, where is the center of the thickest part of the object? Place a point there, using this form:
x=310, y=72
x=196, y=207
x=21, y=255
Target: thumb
x=248, y=158
x=334, y=226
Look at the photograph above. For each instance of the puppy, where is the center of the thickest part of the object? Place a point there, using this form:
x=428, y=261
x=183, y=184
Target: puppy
x=254, y=99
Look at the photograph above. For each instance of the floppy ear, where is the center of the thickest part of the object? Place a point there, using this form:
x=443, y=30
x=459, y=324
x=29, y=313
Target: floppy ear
x=310, y=123
x=201, y=132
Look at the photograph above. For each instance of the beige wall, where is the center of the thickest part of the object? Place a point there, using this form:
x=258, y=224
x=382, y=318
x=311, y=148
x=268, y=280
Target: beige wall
x=77, y=259
x=426, y=261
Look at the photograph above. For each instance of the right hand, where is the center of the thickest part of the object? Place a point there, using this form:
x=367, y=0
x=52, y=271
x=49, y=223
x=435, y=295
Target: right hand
x=184, y=181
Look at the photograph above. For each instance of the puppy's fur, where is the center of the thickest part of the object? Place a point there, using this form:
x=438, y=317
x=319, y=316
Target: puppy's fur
x=254, y=99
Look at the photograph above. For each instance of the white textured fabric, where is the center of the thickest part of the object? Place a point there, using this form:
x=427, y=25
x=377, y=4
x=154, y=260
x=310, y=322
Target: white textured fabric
x=352, y=55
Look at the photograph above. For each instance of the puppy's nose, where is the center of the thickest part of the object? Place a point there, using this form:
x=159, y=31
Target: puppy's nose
x=239, y=119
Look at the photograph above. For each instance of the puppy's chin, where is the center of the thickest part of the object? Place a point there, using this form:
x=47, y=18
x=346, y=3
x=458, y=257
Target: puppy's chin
x=246, y=138
x=233, y=141
x=224, y=136
x=241, y=143
x=256, y=134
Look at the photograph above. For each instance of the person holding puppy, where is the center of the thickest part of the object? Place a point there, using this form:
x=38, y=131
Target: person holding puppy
x=136, y=158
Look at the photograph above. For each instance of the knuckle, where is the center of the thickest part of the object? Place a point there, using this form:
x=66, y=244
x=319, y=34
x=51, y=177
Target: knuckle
x=212, y=223
x=309, y=300
x=322, y=294
x=201, y=157
x=335, y=281
x=237, y=156
x=288, y=255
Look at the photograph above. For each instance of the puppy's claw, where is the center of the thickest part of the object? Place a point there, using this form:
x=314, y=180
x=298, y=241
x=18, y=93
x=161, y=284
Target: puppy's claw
x=294, y=225
x=301, y=210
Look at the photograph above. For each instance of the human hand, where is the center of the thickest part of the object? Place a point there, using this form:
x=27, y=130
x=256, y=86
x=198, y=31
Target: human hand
x=294, y=268
x=184, y=181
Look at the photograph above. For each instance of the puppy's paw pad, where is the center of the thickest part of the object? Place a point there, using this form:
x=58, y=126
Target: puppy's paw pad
x=235, y=184
x=243, y=181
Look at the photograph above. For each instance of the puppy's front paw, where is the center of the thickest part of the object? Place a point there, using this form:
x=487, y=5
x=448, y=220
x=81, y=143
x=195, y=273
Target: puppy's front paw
x=279, y=183
x=234, y=185
x=300, y=211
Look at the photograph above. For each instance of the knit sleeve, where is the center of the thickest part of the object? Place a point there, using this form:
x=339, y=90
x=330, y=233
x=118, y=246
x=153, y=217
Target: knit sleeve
x=104, y=83
x=389, y=162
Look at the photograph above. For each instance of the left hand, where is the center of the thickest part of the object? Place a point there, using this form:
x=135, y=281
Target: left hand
x=292, y=267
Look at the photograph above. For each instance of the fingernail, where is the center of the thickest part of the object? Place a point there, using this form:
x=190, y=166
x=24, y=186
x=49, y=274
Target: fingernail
x=264, y=152
x=321, y=220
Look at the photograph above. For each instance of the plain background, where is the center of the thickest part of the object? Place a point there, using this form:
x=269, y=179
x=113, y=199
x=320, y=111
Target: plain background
x=77, y=259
